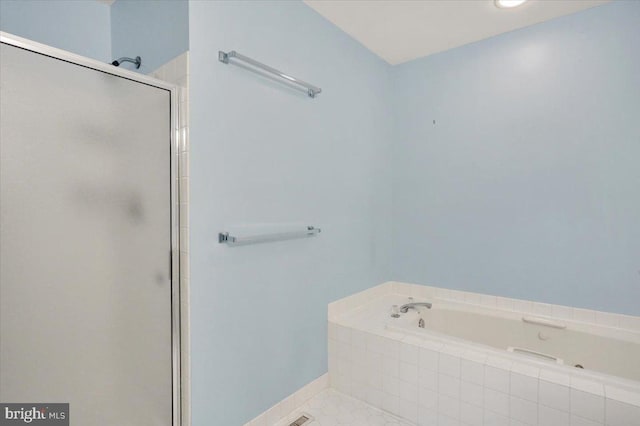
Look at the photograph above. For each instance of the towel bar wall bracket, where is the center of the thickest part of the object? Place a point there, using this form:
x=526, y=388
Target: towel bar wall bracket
x=311, y=90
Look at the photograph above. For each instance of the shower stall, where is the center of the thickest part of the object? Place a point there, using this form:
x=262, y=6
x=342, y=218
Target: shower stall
x=89, y=267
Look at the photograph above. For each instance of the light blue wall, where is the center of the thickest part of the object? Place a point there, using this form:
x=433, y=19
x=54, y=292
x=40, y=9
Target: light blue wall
x=158, y=31
x=263, y=153
x=528, y=185
x=81, y=27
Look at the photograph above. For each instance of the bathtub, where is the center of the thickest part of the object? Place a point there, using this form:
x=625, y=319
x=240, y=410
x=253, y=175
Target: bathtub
x=590, y=347
x=478, y=360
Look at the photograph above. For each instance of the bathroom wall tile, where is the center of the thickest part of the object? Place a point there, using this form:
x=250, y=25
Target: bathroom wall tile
x=607, y=319
x=621, y=414
x=391, y=385
x=524, y=387
x=390, y=403
x=543, y=309
x=585, y=385
x=449, y=386
x=587, y=405
x=428, y=379
x=427, y=416
x=580, y=421
x=497, y=402
x=409, y=353
x=343, y=334
x=584, y=315
x=471, y=393
x=554, y=395
x=408, y=410
x=555, y=377
x=390, y=367
x=448, y=406
x=492, y=418
x=551, y=417
x=496, y=379
x=447, y=421
x=629, y=322
x=449, y=365
x=409, y=392
x=472, y=372
x=504, y=303
x=409, y=372
x=488, y=301
x=523, y=411
x=427, y=398
x=471, y=415
x=428, y=359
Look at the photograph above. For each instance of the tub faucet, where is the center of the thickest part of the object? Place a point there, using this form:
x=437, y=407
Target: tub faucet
x=414, y=305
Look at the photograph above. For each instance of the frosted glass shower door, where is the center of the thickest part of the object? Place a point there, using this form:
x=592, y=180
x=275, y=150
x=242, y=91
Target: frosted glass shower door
x=85, y=241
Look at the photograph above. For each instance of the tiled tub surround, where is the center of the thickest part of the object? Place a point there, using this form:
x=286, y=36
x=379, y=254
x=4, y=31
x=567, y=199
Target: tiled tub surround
x=432, y=379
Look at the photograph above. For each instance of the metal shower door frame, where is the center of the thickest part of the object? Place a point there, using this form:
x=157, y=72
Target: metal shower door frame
x=176, y=348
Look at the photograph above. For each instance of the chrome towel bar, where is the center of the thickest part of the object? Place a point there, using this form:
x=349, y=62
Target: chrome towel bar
x=311, y=90
x=225, y=238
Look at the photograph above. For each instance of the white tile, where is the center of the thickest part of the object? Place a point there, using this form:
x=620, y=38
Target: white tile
x=607, y=319
x=621, y=414
x=562, y=312
x=408, y=410
x=427, y=416
x=391, y=348
x=409, y=353
x=629, y=322
x=449, y=365
x=589, y=386
x=494, y=419
x=428, y=379
x=584, y=315
x=391, y=385
x=580, y=421
x=542, y=309
x=524, y=387
x=449, y=386
x=497, y=402
x=554, y=395
x=555, y=377
x=448, y=406
x=587, y=405
x=447, y=421
x=390, y=403
x=523, y=411
x=428, y=359
x=471, y=393
x=471, y=371
x=409, y=372
x=496, y=379
x=427, y=398
x=504, y=303
x=523, y=306
x=332, y=330
x=358, y=340
x=622, y=395
x=488, y=301
x=375, y=343
x=390, y=367
x=470, y=414
x=409, y=392
x=552, y=417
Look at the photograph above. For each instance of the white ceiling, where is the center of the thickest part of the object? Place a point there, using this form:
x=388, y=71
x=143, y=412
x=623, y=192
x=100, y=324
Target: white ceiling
x=402, y=30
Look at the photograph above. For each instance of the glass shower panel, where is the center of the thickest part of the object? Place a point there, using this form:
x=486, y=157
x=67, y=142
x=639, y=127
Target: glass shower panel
x=85, y=241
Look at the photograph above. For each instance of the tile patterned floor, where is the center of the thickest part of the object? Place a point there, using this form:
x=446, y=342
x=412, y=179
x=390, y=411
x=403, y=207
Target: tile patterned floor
x=332, y=408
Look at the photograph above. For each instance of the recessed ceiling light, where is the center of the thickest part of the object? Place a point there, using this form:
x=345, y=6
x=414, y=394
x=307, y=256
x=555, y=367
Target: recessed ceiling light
x=507, y=4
